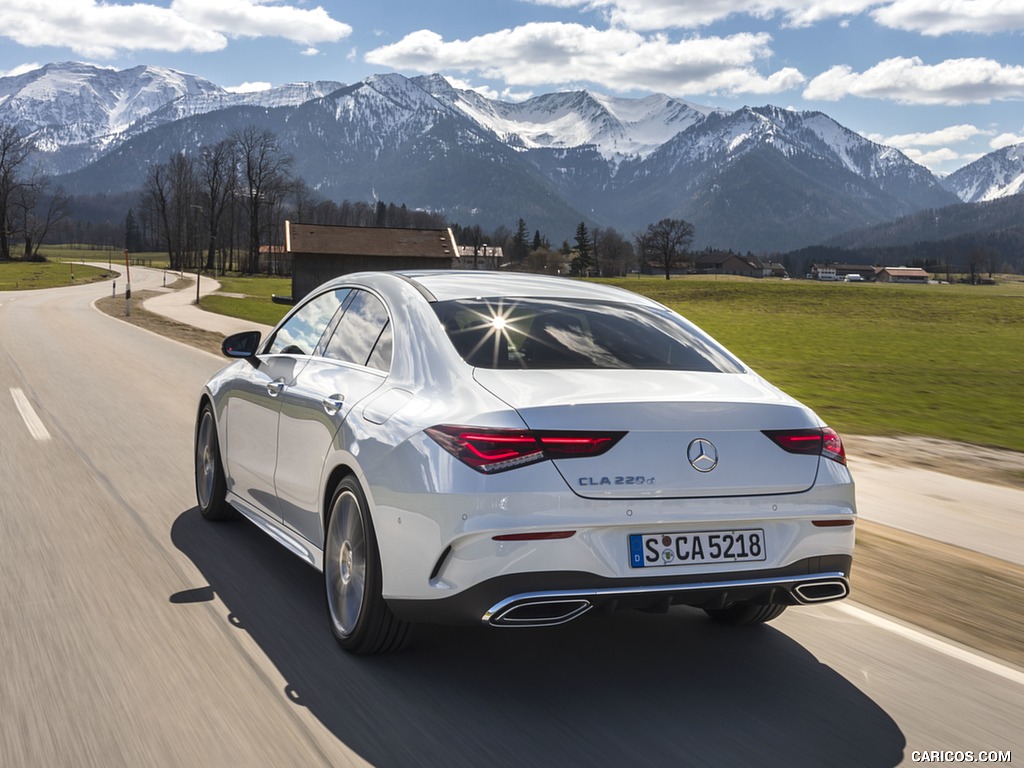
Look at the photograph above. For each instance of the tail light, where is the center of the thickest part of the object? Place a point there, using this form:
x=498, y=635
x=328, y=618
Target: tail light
x=496, y=450
x=812, y=442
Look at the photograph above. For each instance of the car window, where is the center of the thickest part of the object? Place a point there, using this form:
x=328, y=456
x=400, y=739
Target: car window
x=561, y=333
x=380, y=358
x=301, y=333
x=363, y=334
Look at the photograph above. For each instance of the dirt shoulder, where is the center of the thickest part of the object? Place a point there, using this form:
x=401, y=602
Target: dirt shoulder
x=986, y=465
x=115, y=307
x=967, y=597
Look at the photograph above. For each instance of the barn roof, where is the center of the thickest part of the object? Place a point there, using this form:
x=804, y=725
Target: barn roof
x=368, y=241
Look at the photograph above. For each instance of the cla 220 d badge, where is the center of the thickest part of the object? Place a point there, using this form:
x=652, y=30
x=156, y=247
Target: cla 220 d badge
x=702, y=454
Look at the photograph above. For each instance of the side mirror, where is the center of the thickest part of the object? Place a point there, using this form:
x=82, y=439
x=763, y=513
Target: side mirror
x=241, y=345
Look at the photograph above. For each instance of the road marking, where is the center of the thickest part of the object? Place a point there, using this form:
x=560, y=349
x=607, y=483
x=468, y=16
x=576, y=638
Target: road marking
x=32, y=421
x=934, y=643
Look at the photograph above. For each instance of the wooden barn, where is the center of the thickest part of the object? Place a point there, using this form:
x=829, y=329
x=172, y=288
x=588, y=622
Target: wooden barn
x=320, y=252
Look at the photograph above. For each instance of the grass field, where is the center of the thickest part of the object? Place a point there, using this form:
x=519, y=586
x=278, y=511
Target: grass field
x=944, y=361
x=250, y=298
x=30, y=275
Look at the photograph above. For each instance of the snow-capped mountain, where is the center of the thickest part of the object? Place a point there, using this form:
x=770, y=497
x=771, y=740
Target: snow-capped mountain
x=79, y=110
x=998, y=174
x=618, y=128
x=758, y=178
x=771, y=176
x=288, y=95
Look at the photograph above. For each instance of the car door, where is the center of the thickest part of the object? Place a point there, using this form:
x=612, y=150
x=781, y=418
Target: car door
x=254, y=404
x=351, y=364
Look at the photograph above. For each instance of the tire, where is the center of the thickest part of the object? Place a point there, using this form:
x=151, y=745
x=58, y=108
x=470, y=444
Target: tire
x=359, y=618
x=211, y=485
x=743, y=614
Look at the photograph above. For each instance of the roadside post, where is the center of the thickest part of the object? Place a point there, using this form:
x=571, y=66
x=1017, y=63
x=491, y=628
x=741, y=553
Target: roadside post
x=128, y=289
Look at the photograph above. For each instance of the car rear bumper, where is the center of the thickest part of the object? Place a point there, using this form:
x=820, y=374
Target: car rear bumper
x=545, y=599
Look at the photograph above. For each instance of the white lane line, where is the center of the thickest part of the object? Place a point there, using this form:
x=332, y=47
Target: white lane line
x=32, y=420
x=934, y=643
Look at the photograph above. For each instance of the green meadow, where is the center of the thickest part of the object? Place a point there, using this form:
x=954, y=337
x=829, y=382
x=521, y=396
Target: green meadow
x=944, y=361
x=250, y=298
x=31, y=275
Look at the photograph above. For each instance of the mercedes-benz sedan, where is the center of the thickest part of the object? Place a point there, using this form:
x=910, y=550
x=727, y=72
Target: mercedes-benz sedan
x=519, y=450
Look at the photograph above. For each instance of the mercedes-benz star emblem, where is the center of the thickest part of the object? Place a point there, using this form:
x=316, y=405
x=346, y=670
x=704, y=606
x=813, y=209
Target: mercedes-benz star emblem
x=702, y=454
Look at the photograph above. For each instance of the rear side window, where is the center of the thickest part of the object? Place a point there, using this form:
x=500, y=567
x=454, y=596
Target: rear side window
x=547, y=334
x=363, y=335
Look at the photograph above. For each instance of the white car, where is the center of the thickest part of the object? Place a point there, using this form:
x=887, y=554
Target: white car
x=518, y=450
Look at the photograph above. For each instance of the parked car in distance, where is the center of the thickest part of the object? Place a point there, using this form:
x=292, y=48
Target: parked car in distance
x=854, y=278
x=519, y=450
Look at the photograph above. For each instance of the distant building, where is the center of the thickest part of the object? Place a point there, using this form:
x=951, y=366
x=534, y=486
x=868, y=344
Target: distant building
x=840, y=271
x=902, y=275
x=320, y=252
x=482, y=257
x=725, y=263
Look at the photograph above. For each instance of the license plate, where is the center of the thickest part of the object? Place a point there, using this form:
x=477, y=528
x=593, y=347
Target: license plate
x=651, y=550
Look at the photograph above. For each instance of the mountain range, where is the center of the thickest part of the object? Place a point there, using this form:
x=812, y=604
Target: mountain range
x=762, y=179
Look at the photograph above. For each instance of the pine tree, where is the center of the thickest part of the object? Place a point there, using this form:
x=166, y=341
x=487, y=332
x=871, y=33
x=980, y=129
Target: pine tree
x=132, y=235
x=583, y=262
x=519, y=246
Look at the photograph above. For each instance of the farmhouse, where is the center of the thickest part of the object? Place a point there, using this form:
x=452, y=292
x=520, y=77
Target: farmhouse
x=839, y=271
x=321, y=252
x=902, y=275
x=482, y=257
x=726, y=263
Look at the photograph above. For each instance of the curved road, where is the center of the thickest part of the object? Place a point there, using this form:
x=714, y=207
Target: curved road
x=133, y=633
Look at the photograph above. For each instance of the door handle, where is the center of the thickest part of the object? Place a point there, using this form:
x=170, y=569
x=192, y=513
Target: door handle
x=333, y=404
x=275, y=387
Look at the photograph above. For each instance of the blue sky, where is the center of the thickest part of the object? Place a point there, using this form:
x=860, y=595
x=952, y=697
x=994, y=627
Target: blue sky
x=942, y=80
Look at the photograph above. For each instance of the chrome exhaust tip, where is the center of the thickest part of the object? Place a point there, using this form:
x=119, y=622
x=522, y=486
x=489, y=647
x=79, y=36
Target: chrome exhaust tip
x=537, y=613
x=821, y=591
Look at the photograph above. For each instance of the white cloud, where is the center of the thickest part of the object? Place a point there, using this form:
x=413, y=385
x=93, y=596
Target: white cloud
x=249, y=87
x=1006, y=140
x=935, y=159
x=648, y=15
x=563, y=54
x=311, y=51
x=259, y=18
x=101, y=30
x=928, y=17
x=910, y=81
x=951, y=135
x=949, y=16
x=21, y=69
x=506, y=94
x=97, y=30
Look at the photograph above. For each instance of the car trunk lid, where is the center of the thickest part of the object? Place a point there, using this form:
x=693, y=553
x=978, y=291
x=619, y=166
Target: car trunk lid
x=689, y=435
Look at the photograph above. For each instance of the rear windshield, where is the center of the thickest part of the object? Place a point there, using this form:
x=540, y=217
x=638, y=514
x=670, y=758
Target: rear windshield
x=562, y=333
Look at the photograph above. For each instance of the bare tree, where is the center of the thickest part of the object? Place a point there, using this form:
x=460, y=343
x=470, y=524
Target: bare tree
x=667, y=242
x=264, y=170
x=217, y=177
x=36, y=209
x=612, y=251
x=14, y=151
x=156, y=202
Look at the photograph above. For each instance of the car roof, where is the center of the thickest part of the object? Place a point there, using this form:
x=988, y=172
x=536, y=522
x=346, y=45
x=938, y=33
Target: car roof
x=445, y=285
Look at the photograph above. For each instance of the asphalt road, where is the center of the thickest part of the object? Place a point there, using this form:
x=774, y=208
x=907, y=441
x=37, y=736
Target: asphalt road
x=133, y=633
